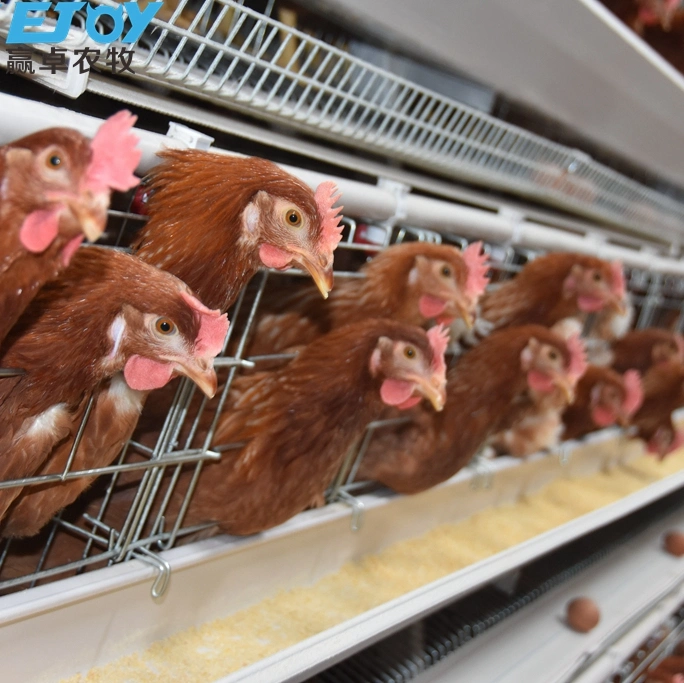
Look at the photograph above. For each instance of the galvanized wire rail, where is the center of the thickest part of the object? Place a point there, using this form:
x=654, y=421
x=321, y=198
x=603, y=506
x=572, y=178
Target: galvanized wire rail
x=222, y=51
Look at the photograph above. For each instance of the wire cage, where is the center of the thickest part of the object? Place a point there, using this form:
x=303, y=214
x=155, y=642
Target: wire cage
x=181, y=423
x=238, y=57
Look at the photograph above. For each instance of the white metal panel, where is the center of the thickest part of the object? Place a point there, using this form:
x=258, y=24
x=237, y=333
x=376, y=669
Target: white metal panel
x=639, y=580
x=571, y=59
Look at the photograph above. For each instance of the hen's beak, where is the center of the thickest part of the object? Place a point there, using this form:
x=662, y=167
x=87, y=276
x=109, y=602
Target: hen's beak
x=90, y=210
x=465, y=313
x=201, y=372
x=322, y=274
x=433, y=388
x=566, y=386
x=617, y=304
x=623, y=420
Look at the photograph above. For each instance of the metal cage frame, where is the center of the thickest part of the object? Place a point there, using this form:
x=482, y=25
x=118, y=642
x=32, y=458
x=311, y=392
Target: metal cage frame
x=145, y=531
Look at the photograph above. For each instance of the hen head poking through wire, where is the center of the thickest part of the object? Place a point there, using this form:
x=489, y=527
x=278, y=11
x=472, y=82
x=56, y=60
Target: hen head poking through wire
x=447, y=283
x=60, y=182
x=408, y=374
x=214, y=220
x=548, y=369
x=615, y=399
x=596, y=288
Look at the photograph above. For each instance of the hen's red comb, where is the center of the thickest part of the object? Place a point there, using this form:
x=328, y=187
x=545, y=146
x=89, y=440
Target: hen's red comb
x=578, y=356
x=478, y=265
x=115, y=155
x=634, y=394
x=213, y=327
x=439, y=339
x=331, y=231
x=618, y=278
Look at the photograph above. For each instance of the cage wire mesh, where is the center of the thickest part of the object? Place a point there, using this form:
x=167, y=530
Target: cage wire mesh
x=270, y=66
x=149, y=467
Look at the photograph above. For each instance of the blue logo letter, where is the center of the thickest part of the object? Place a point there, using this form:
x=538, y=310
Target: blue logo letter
x=21, y=20
x=94, y=13
x=139, y=20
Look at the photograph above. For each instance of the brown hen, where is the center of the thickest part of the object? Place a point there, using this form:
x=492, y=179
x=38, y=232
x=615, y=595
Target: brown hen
x=109, y=318
x=663, y=387
x=554, y=287
x=415, y=283
x=640, y=349
x=604, y=398
x=534, y=422
x=482, y=389
x=55, y=187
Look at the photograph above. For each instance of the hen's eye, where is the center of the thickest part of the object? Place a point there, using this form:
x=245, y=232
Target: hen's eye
x=410, y=352
x=165, y=326
x=597, y=277
x=553, y=355
x=446, y=271
x=54, y=161
x=293, y=218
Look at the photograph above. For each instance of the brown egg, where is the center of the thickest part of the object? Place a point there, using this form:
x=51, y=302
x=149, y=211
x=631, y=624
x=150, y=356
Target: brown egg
x=674, y=543
x=582, y=614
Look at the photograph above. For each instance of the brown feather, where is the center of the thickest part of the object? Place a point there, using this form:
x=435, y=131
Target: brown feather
x=636, y=349
x=109, y=427
x=535, y=295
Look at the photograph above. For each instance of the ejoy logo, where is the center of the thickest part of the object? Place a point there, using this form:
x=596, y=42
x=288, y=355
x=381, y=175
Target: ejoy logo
x=21, y=20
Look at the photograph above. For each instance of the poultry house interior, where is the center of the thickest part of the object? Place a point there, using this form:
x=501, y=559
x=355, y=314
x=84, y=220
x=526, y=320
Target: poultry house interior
x=341, y=343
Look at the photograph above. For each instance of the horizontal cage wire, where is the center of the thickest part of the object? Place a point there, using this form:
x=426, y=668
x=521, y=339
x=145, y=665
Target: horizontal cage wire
x=237, y=57
x=183, y=421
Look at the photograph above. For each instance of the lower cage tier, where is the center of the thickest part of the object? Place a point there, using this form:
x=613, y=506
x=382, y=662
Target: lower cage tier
x=109, y=614
x=537, y=592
